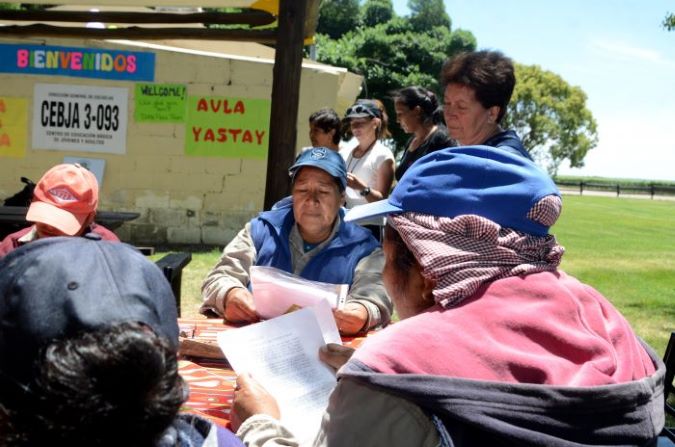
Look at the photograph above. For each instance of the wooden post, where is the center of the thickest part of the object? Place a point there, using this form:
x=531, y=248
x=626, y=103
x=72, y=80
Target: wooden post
x=285, y=99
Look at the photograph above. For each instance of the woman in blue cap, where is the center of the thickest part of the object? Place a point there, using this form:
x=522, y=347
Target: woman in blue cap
x=306, y=236
x=495, y=346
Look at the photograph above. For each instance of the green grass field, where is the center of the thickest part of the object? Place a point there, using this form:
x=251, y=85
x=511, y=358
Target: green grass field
x=625, y=248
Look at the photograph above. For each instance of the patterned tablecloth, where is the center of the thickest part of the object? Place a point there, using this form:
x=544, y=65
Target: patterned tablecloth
x=212, y=383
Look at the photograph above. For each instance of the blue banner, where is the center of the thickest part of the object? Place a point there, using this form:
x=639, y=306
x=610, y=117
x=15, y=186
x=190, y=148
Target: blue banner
x=100, y=63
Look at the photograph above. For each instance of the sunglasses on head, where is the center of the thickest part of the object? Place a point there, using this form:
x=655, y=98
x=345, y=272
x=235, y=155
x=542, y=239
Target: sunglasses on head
x=359, y=109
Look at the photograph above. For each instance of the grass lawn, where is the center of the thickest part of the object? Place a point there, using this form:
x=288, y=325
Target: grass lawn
x=625, y=248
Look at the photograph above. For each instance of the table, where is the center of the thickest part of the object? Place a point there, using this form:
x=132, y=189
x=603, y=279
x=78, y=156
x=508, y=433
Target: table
x=13, y=218
x=212, y=382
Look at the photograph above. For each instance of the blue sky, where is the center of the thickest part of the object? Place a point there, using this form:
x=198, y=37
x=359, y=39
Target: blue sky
x=616, y=51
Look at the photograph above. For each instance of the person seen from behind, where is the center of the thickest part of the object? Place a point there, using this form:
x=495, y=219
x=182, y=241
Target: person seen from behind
x=88, y=350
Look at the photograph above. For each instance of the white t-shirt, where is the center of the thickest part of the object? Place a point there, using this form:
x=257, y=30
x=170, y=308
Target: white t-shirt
x=366, y=169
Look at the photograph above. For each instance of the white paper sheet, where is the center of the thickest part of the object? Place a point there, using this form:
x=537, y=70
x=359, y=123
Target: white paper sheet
x=283, y=355
x=326, y=320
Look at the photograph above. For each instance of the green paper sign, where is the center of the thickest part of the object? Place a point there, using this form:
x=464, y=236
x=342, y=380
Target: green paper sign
x=163, y=103
x=225, y=126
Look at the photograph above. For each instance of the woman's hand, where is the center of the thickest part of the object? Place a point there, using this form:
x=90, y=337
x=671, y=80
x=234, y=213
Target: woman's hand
x=335, y=355
x=352, y=318
x=250, y=398
x=354, y=182
x=239, y=307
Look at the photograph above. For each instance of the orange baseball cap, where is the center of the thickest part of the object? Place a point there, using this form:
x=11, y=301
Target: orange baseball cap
x=64, y=197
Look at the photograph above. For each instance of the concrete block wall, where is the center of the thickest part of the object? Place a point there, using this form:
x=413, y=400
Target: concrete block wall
x=181, y=199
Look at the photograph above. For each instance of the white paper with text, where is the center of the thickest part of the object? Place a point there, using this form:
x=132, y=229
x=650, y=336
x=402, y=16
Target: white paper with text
x=283, y=355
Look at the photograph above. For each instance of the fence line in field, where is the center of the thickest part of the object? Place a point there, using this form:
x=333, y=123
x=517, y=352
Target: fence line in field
x=619, y=188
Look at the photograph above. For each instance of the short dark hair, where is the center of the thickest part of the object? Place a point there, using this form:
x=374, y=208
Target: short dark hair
x=404, y=259
x=489, y=74
x=327, y=119
x=113, y=386
x=420, y=97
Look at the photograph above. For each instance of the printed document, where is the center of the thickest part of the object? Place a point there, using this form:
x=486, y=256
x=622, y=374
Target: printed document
x=283, y=355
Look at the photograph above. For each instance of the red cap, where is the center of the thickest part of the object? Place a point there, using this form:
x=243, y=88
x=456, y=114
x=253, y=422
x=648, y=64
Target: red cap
x=64, y=197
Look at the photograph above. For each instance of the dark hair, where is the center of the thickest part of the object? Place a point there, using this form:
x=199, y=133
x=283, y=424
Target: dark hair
x=415, y=96
x=489, y=74
x=404, y=258
x=110, y=387
x=327, y=119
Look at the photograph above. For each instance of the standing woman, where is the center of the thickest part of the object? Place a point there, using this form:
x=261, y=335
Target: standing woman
x=417, y=114
x=370, y=164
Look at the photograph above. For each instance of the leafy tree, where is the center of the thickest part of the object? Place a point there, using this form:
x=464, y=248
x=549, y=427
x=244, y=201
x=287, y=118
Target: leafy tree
x=551, y=117
x=549, y=114
x=337, y=17
x=669, y=21
x=374, y=12
x=394, y=55
x=426, y=14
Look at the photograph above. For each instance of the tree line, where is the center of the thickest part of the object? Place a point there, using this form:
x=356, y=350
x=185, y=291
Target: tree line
x=392, y=52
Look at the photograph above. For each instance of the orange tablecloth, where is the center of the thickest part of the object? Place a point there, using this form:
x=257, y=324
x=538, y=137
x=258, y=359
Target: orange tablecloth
x=212, y=383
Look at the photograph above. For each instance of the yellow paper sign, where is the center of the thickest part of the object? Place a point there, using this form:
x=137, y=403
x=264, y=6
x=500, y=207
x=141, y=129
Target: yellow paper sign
x=13, y=127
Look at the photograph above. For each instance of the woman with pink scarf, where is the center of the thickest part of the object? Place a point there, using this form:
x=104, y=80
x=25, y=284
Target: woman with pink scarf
x=496, y=345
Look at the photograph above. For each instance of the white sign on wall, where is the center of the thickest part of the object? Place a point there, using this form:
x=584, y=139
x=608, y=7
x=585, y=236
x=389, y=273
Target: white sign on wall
x=80, y=118
x=95, y=165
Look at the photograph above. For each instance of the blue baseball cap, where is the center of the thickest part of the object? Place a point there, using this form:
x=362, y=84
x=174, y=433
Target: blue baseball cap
x=480, y=180
x=55, y=288
x=322, y=158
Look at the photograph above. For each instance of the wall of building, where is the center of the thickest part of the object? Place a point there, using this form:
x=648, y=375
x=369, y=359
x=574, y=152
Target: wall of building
x=181, y=199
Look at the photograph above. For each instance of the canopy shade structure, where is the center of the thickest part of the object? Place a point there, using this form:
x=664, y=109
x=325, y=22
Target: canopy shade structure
x=170, y=20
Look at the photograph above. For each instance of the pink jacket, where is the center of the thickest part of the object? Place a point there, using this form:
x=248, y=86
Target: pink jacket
x=11, y=241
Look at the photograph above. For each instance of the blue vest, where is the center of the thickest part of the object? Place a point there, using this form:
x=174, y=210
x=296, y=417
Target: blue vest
x=334, y=264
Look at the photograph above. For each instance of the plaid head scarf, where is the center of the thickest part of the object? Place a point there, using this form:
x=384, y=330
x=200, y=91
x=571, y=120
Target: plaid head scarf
x=467, y=251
